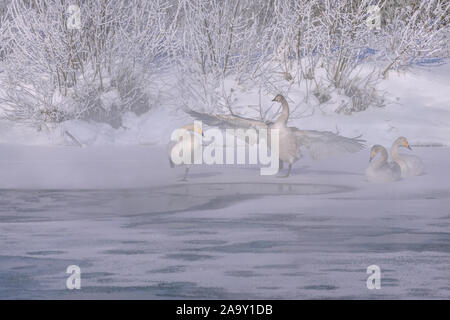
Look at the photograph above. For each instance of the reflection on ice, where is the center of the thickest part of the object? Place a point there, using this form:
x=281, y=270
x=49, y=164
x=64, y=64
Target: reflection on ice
x=254, y=189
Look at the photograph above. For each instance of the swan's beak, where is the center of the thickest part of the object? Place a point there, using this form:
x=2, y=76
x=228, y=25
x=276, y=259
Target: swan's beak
x=371, y=157
x=407, y=145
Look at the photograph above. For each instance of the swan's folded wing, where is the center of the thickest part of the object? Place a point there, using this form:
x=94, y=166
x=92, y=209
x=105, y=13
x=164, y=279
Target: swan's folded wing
x=321, y=144
x=226, y=121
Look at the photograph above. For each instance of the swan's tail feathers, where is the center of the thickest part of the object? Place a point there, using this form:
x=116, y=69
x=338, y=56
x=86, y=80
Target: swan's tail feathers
x=321, y=144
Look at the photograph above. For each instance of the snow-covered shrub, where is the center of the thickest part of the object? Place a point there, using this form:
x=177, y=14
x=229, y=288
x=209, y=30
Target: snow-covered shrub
x=225, y=37
x=116, y=60
x=3, y=28
x=329, y=36
x=361, y=93
x=413, y=30
x=345, y=35
x=96, y=71
x=219, y=39
x=335, y=36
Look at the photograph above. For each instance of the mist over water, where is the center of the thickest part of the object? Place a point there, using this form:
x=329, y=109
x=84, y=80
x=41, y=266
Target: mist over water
x=310, y=236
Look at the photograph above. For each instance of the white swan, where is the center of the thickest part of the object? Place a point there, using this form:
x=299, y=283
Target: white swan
x=410, y=165
x=381, y=170
x=194, y=143
x=318, y=143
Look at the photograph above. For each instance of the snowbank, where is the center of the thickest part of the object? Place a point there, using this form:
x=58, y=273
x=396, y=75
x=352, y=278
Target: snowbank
x=417, y=105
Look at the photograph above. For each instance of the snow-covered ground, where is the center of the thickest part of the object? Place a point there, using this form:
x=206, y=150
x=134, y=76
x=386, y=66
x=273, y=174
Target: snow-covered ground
x=417, y=106
x=136, y=231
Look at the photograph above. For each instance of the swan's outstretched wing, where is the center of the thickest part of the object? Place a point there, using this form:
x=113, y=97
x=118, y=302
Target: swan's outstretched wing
x=321, y=144
x=226, y=121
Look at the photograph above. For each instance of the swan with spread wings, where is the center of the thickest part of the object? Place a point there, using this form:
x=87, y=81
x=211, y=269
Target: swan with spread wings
x=292, y=140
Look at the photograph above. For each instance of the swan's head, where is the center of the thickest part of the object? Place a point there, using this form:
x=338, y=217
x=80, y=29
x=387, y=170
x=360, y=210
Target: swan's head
x=195, y=127
x=279, y=98
x=402, y=142
x=377, y=149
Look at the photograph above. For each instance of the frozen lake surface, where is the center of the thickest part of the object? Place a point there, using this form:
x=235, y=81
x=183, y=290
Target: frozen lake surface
x=137, y=232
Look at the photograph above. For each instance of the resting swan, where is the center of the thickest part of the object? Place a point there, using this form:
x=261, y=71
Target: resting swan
x=194, y=143
x=410, y=165
x=381, y=170
x=318, y=143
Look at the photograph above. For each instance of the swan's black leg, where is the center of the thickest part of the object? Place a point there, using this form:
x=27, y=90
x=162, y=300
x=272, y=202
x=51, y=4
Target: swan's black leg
x=289, y=170
x=280, y=168
x=185, y=174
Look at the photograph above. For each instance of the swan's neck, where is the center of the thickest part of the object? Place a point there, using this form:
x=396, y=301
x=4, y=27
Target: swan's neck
x=382, y=159
x=394, y=152
x=283, y=118
x=379, y=162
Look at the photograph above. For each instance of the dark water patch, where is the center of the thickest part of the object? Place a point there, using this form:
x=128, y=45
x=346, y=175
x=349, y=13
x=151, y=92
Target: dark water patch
x=321, y=287
x=163, y=290
x=14, y=283
x=268, y=288
x=189, y=257
x=277, y=266
x=124, y=251
x=296, y=274
x=190, y=290
x=24, y=268
x=341, y=270
x=133, y=242
x=252, y=246
x=94, y=275
x=242, y=273
x=271, y=217
x=27, y=282
x=213, y=242
x=169, y=269
x=420, y=292
x=21, y=218
x=441, y=247
x=440, y=224
x=389, y=282
x=45, y=253
x=105, y=280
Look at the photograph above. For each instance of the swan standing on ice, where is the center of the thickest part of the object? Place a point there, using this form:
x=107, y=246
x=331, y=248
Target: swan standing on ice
x=318, y=143
x=194, y=143
x=410, y=165
x=381, y=170
x=289, y=143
